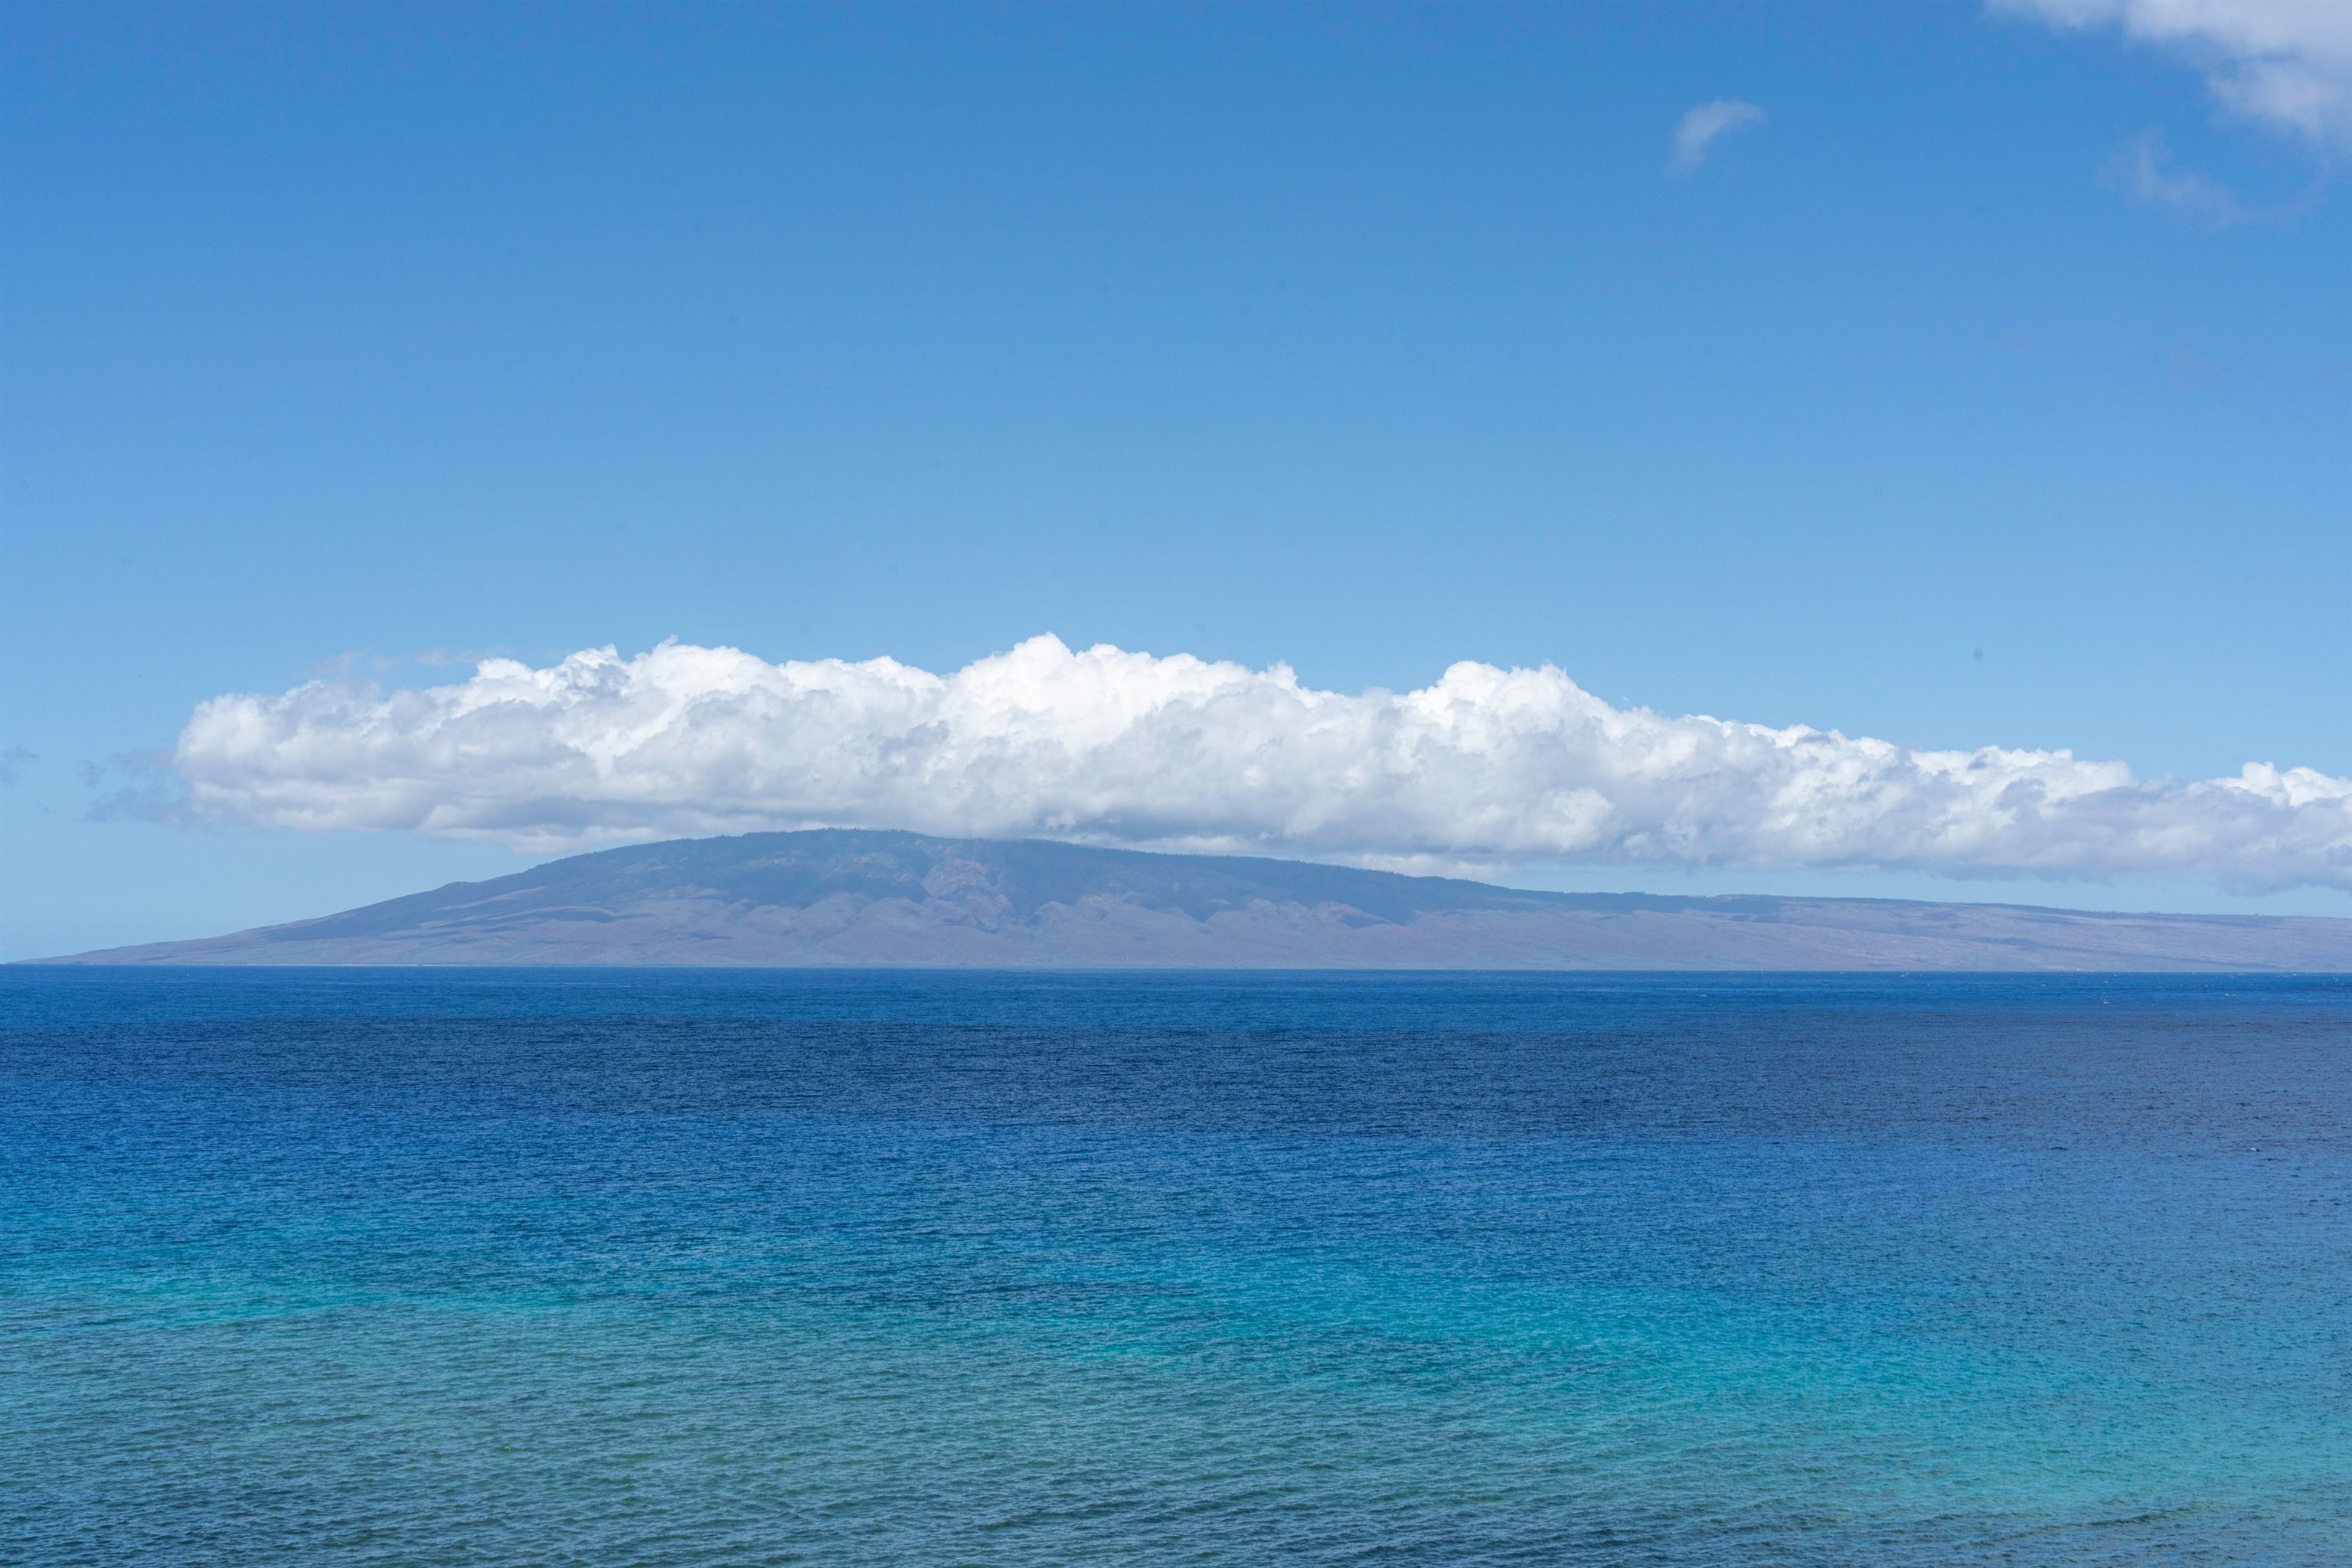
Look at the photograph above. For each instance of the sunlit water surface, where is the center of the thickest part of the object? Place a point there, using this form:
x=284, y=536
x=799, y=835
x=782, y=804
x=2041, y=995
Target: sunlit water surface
x=637, y=1268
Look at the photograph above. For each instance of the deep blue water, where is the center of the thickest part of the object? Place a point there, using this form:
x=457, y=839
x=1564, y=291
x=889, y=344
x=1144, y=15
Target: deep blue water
x=629, y=1267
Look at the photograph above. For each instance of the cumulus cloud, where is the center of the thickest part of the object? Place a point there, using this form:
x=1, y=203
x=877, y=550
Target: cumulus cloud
x=1488, y=766
x=1697, y=131
x=2285, y=63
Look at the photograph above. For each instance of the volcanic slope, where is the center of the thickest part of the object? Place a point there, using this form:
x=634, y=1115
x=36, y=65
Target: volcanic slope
x=855, y=898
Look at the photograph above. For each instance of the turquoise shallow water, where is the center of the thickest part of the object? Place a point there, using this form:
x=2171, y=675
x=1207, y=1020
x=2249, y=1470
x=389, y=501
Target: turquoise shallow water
x=667, y=1267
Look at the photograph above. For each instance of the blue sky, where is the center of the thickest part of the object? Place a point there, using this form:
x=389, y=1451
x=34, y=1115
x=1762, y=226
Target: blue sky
x=1939, y=405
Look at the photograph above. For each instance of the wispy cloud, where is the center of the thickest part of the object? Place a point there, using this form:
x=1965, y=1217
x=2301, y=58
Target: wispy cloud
x=1104, y=746
x=1698, y=129
x=2286, y=64
x=2143, y=169
x=134, y=786
x=14, y=762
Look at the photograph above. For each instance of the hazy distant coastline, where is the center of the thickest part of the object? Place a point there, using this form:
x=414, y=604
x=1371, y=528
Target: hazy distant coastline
x=877, y=898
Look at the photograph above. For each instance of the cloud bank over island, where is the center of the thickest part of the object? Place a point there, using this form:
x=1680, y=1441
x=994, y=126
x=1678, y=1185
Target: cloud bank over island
x=1486, y=767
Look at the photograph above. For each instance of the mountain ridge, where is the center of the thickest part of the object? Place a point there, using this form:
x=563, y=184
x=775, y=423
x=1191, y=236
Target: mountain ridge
x=838, y=897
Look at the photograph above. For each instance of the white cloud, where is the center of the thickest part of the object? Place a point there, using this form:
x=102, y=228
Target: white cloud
x=1696, y=131
x=2287, y=63
x=1488, y=765
x=2143, y=167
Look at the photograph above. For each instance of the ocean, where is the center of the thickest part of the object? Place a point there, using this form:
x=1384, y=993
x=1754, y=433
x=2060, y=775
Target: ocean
x=624, y=1268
